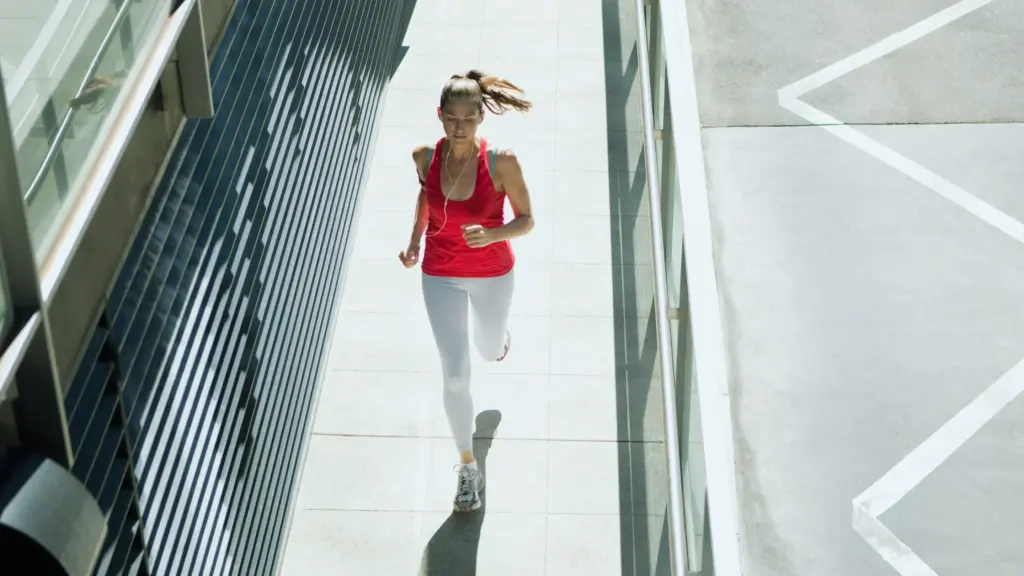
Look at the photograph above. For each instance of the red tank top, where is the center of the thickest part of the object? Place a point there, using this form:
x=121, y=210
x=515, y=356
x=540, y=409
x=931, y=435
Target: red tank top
x=447, y=253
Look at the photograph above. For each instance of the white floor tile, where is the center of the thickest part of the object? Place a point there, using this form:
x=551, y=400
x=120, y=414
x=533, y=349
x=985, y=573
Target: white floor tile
x=585, y=240
x=396, y=143
x=582, y=150
x=540, y=13
x=344, y=473
x=415, y=108
x=620, y=291
x=441, y=40
x=590, y=193
x=581, y=12
x=394, y=288
x=532, y=40
x=595, y=76
x=382, y=235
x=586, y=477
x=328, y=543
x=594, y=40
x=585, y=289
x=378, y=403
x=583, y=346
x=384, y=342
x=584, y=408
x=584, y=544
x=599, y=151
x=598, y=112
x=392, y=189
x=469, y=12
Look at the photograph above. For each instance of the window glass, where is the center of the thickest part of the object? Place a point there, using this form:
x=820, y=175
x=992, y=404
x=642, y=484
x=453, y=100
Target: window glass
x=64, y=66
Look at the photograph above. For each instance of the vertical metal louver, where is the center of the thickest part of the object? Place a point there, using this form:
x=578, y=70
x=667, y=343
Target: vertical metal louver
x=102, y=455
x=218, y=319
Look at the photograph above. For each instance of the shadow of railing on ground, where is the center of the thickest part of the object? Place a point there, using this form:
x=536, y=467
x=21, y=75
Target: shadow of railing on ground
x=638, y=391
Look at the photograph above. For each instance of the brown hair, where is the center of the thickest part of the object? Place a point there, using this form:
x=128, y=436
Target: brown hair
x=498, y=94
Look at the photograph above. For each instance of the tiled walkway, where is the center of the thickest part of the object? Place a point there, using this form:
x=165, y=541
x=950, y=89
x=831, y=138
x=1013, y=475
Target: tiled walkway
x=561, y=500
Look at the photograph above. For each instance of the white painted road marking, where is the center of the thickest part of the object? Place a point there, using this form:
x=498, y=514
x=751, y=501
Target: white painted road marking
x=882, y=48
x=927, y=457
x=923, y=460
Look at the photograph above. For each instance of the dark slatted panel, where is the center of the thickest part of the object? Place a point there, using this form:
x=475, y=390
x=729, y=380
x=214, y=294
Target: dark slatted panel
x=96, y=421
x=219, y=317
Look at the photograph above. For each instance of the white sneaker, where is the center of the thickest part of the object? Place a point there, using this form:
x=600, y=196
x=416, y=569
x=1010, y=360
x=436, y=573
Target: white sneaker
x=467, y=494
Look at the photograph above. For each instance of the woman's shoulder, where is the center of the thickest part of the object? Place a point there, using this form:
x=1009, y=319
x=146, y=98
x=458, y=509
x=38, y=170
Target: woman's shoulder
x=504, y=159
x=422, y=156
x=423, y=152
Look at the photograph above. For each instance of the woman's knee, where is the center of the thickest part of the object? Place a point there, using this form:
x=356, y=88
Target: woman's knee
x=456, y=375
x=490, y=347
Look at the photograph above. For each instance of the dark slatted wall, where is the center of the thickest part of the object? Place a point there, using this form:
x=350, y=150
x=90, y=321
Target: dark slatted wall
x=209, y=351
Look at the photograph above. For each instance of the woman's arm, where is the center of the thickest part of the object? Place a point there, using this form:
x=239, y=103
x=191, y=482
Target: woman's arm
x=420, y=158
x=510, y=174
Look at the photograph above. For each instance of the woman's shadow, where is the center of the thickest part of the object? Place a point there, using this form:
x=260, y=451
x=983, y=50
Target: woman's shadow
x=453, y=548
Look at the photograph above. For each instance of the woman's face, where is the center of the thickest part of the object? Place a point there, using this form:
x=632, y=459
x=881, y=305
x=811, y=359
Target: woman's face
x=460, y=119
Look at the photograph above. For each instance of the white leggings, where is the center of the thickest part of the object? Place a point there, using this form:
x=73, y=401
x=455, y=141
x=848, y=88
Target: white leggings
x=448, y=301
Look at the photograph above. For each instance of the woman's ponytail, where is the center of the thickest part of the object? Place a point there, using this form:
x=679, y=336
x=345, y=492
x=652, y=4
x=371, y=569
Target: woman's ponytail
x=497, y=94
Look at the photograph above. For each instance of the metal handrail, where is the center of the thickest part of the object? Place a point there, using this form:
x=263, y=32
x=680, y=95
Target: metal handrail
x=65, y=125
x=676, y=527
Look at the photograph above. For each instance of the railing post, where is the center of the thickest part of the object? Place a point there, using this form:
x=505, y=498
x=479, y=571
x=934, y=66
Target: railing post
x=194, y=67
x=50, y=128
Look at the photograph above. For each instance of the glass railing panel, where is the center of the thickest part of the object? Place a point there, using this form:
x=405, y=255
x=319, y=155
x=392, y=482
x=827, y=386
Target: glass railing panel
x=692, y=457
x=63, y=68
x=691, y=443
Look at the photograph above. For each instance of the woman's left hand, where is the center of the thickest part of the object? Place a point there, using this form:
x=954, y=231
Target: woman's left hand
x=476, y=236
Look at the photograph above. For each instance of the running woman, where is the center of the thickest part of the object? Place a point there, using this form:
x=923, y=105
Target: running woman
x=468, y=260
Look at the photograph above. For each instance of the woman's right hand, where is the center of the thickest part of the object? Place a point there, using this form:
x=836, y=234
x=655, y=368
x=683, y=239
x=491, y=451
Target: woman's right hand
x=410, y=256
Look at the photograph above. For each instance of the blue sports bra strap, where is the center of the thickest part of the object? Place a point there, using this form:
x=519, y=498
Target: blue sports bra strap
x=492, y=154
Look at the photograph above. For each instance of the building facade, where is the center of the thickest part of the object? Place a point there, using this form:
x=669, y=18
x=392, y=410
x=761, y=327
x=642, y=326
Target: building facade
x=173, y=242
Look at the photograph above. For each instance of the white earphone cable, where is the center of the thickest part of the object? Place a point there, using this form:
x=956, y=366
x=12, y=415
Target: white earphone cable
x=455, y=185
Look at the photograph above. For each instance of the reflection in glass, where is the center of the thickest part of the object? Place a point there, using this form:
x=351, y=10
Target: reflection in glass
x=63, y=69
